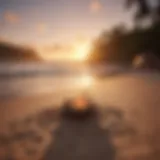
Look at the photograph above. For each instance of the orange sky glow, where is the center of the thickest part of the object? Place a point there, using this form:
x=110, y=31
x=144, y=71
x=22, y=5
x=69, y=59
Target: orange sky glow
x=59, y=29
x=78, y=51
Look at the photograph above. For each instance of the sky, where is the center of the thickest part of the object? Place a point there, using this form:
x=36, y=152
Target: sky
x=57, y=26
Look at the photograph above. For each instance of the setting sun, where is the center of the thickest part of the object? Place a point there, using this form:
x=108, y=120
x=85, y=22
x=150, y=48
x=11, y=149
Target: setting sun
x=81, y=51
x=78, y=51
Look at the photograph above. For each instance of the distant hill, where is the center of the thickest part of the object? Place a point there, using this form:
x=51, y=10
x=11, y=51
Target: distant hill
x=10, y=52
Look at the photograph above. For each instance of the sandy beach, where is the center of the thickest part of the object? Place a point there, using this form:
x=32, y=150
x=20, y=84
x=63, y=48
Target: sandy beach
x=135, y=94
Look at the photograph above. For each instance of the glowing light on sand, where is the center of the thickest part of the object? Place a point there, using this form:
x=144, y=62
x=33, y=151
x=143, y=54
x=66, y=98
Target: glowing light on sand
x=80, y=103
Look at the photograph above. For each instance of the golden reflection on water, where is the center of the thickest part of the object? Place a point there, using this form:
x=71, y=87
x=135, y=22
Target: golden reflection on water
x=86, y=81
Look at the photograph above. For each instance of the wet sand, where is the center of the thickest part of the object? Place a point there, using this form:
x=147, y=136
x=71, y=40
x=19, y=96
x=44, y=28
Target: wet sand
x=136, y=95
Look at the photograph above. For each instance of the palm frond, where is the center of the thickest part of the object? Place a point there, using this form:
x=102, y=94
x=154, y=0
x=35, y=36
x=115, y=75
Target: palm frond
x=129, y=3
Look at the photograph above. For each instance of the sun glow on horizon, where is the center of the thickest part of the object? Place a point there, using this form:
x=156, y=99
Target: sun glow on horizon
x=79, y=52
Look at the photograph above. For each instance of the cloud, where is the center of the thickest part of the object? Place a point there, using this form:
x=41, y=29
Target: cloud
x=41, y=28
x=11, y=17
x=56, y=51
x=80, y=38
x=57, y=48
x=95, y=6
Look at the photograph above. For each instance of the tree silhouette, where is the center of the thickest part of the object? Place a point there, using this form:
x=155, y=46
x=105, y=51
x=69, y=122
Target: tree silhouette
x=157, y=12
x=143, y=9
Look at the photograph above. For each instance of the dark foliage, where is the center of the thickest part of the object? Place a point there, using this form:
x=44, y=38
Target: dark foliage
x=122, y=47
x=9, y=52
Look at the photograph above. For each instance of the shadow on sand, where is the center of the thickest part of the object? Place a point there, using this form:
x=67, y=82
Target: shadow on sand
x=80, y=137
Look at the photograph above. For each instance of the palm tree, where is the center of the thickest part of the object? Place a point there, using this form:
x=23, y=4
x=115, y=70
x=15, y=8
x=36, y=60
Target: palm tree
x=143, y=9
x=157, y=12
